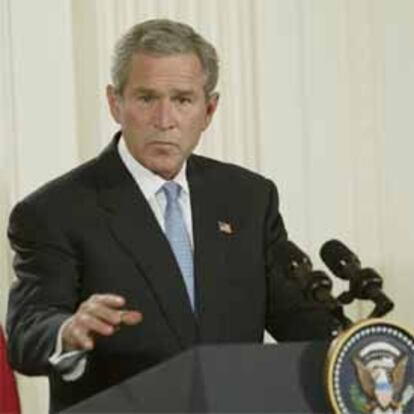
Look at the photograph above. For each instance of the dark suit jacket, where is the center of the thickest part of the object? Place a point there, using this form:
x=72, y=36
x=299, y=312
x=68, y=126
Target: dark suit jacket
x=91, y=231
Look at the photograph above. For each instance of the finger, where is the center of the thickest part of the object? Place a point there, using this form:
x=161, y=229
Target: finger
x=75, y=338
x=83, y=341
x=89, y=323
x=131, y=317
x=109, y=299
x=101, y=311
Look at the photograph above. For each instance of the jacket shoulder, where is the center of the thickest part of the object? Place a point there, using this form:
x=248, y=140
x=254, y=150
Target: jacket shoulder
x=63, y=196
x=224, y=174
x=73, y=183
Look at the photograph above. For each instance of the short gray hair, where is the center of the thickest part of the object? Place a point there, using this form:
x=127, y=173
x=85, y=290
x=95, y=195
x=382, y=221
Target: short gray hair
x=164, y=38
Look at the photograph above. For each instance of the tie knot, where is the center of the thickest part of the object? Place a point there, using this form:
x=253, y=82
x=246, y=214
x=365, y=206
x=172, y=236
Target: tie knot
x=172, y=190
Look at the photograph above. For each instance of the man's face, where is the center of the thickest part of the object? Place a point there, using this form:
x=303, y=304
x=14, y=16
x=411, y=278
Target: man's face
x=163, y=110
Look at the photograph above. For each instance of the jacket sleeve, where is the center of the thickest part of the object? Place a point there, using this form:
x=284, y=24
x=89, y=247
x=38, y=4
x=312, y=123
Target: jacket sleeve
x=45, y=292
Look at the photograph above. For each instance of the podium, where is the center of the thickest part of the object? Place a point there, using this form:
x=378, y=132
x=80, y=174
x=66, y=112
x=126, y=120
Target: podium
x=269, y=378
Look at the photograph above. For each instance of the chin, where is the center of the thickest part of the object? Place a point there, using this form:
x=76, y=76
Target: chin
x=166, y=168
x=164, y=171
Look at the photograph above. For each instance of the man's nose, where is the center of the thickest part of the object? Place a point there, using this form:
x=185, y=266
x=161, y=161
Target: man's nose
x=164, y=114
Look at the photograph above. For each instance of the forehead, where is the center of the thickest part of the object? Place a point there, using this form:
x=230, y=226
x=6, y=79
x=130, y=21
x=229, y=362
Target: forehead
x=158, y=72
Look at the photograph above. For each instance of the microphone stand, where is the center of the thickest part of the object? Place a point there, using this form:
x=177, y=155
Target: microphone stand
x=319, y=287
x=368, y=286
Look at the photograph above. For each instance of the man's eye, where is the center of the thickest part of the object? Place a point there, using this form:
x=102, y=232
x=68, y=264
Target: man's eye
x=145, y=98
x=182, y=100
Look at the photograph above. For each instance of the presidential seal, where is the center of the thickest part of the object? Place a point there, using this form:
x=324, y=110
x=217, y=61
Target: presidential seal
x=370, y=369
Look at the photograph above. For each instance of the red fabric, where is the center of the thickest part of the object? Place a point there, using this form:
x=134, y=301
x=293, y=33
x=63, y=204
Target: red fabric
x=9, y=398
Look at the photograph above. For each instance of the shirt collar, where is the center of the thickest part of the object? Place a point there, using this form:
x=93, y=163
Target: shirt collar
x=149, y=182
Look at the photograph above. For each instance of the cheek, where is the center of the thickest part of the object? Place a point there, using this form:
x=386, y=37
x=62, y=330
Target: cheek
x=197, y=123
x=133, y=118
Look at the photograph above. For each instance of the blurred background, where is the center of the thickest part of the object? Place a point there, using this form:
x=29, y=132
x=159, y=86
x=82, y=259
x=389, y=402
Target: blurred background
x=316, y=94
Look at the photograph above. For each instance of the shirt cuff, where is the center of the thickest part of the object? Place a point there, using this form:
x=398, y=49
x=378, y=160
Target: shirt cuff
x=71, y=365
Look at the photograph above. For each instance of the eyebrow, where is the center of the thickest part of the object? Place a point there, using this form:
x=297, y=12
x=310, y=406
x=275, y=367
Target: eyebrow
x=187, y=92
x=149, y=91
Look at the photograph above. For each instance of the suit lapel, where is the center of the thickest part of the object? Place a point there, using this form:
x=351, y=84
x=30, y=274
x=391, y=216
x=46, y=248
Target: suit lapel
x=209, y=250
x=135, y=227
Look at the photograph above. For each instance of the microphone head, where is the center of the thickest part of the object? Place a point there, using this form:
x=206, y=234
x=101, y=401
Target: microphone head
x=340, y=260
x=292, y=260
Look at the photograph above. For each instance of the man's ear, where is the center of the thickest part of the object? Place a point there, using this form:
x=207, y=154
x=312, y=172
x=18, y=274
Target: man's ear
x=212, y=103
x=113, y=102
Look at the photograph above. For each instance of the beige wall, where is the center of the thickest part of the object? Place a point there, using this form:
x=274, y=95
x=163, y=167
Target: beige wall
x=316, y=94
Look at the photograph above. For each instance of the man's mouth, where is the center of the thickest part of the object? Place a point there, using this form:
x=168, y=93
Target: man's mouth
x=164, y=143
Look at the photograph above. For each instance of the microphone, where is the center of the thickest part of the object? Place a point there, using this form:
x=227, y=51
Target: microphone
x=297, y=266
x=365, y=283
x=314, y=284
x=293, y=261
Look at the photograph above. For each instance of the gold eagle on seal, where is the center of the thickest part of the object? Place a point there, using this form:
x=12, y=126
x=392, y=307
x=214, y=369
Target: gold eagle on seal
x=382, y=384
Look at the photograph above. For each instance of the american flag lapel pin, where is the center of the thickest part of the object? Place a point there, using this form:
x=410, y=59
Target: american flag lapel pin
x=225, y=227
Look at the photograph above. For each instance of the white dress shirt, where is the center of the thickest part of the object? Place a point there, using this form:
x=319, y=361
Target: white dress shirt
x=150, y=185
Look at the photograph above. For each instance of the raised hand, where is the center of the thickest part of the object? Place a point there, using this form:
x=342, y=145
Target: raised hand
x=99, y=315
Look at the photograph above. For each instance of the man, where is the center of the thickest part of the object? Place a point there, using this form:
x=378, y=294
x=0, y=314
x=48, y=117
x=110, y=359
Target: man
x=148, y=250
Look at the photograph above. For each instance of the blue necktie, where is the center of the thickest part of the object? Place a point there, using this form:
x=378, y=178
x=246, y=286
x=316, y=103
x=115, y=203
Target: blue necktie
x=178, y=237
